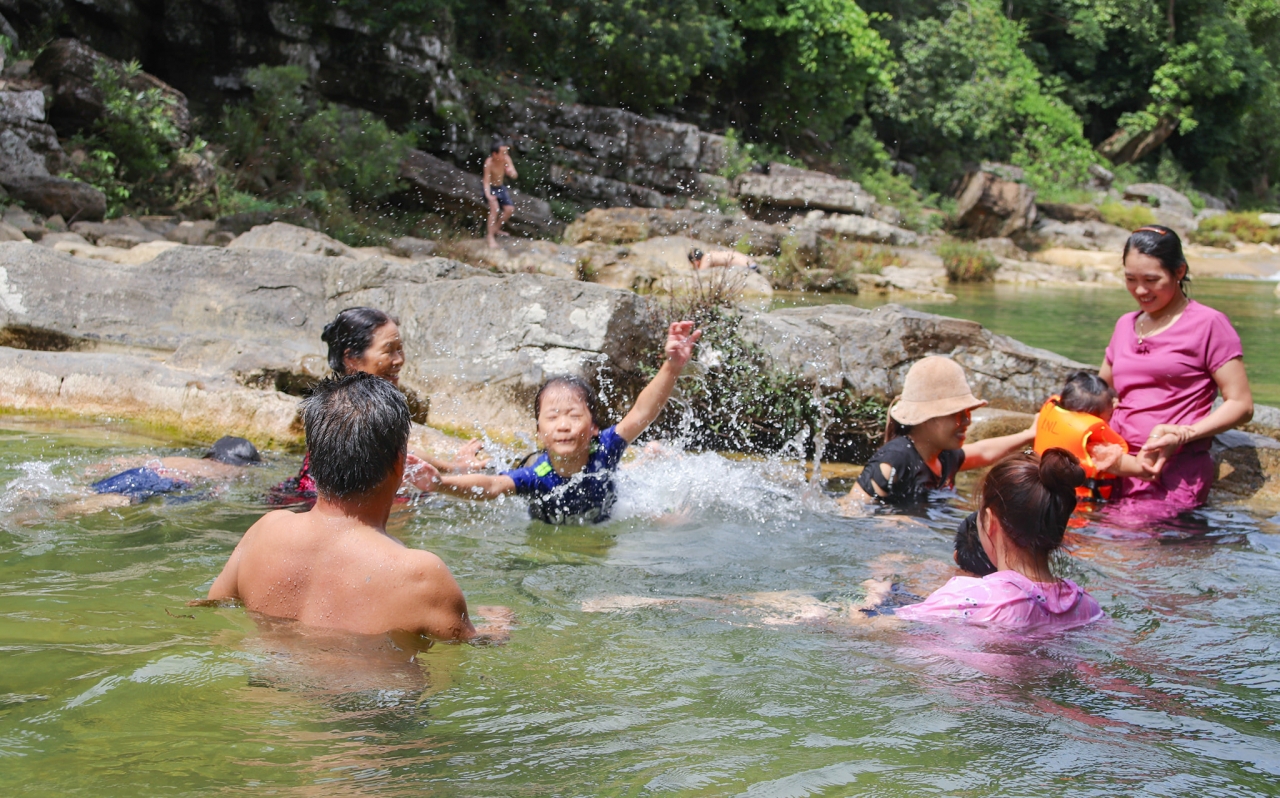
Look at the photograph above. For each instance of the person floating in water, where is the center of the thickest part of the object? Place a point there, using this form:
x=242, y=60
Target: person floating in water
x=147, y=477
x=498, y=167
x=924, y=445
x=571, y=480
x=335, y=566
x=720, y=258
x=1024, y=503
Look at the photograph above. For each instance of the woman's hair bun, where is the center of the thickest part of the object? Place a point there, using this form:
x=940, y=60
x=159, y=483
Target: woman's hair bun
x=1059, y=469
x=330, y=332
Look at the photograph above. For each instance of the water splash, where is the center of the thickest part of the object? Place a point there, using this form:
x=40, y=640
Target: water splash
x=38, y=484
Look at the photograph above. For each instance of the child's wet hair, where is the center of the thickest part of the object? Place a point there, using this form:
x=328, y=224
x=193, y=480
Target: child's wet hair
x=1033, y=497
x=970, y=555
x=1087, y=393
x=576, y=385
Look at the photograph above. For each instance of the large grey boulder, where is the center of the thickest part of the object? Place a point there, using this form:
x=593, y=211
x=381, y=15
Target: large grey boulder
x=28, y=146
x=627, y=225
x=858, y=228
x=70, y=67
x=440, y=186
x=479, y=344
x=1097, y=236
x=1171, y=207
x=70, y=199
x=791, y=188
x=290, y=238
x=871, y=350
x=989, y=204
x=610, y=155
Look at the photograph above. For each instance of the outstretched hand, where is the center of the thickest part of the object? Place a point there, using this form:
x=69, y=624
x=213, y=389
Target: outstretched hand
x=681, y=338
x=420, y=474
x=469, y=457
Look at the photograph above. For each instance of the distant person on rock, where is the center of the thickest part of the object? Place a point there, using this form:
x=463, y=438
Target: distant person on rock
x=335, y=566
x=571, y=480
x=498, y=167
x=720, y=258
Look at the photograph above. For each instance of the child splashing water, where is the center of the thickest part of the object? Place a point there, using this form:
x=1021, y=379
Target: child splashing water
x=1023, y=507
x=572, y=478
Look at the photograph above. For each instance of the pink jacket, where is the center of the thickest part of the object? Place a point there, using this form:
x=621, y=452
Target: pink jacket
x=1009, y=600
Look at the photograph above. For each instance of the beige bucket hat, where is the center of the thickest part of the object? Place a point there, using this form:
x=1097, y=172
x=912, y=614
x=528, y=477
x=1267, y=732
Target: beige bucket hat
x=935, y=386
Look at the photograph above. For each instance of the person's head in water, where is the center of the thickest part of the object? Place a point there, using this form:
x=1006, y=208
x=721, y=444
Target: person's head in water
x=935, y=406
x=568, y=417
x=234, y=451
x=357, y=429
x=969, y=554
x=695, y=257
x=365, y=339
x=1024, y=503
x=1089, y=393
x=1155, y=270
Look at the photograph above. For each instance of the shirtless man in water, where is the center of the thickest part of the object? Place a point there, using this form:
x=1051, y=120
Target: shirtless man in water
x=498, y=167
x=335, y=566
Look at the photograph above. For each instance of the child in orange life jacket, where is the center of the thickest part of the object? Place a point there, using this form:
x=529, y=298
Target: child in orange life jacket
x=1076, y=420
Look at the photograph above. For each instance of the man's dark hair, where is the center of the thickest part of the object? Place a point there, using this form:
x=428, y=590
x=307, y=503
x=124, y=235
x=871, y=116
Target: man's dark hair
x=357, y=429
x=498, y=143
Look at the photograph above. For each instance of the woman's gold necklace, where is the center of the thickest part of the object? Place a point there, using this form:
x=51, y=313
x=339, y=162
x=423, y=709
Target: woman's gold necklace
x=1160, y=326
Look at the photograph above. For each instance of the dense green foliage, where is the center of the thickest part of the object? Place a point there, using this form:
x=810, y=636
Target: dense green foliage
x=1231, y=227
x=854, y=86
x=132, y=149
x=286, y=148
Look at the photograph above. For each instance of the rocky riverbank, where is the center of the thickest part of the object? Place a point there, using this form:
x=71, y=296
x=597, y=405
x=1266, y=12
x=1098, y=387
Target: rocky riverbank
x=221, y=340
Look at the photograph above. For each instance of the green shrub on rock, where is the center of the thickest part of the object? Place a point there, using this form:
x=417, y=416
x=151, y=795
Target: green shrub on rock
x=1130, y=217
x=290, y=149
x=967, y=263
x=1223, y=229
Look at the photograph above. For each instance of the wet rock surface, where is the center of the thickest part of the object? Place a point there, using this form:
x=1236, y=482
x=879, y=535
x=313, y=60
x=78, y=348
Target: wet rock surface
x=871, y=350
x=628, y=225
x=788, y=188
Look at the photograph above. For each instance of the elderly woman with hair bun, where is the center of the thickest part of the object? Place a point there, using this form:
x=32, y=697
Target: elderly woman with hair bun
x=368, y=340
x=1168, y=361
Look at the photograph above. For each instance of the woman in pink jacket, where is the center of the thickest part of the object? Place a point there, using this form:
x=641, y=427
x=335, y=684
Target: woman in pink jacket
x=1023, y=506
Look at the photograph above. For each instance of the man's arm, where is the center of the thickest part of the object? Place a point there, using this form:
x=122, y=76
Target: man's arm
x=227, y=586
x=681, y=338
x=510, y=167
x=484, y=176
x=438, y=610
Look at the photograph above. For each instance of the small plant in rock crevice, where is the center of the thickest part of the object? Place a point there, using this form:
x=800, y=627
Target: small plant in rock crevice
x=733, y=399
x=967, y=263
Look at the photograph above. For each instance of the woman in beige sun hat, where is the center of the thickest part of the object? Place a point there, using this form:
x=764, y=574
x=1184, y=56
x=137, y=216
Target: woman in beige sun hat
x=924, y=445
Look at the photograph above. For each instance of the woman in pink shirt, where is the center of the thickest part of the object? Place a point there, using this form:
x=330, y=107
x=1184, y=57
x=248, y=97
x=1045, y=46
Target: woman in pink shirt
x=1024, y=502
x=1168, y=361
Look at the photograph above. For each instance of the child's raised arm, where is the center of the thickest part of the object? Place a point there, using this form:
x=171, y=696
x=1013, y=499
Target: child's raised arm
x=681, y=338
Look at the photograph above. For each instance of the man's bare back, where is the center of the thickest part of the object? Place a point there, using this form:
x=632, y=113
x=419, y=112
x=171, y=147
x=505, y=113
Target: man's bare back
x=324, y=569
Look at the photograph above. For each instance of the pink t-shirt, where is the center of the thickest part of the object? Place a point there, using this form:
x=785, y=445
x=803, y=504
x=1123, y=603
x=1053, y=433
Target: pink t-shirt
x=1007, y=599
x=1168, y=379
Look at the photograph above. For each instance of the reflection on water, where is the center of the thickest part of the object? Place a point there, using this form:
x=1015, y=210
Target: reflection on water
x=705, y=641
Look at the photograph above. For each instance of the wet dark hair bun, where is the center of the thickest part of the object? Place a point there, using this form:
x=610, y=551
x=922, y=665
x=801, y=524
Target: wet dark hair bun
x=1060, y=471
x=351, y=333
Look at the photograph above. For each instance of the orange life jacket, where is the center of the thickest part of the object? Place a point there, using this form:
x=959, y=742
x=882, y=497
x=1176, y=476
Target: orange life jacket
x=1067, y=429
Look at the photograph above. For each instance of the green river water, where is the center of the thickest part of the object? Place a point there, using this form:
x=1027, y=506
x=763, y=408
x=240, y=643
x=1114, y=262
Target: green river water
x=110, y=685
x=699, y=644
x=1078, y=322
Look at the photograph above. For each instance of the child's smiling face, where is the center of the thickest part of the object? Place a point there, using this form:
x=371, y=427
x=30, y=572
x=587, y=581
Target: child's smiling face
x=564, y=423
